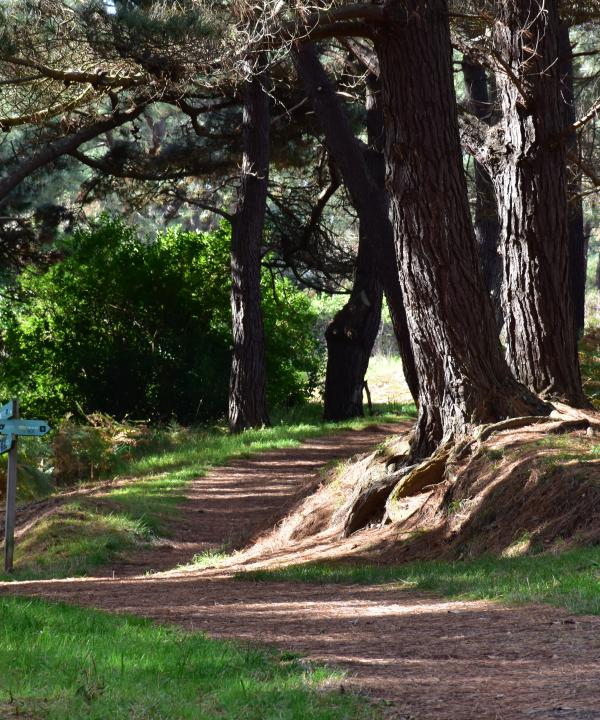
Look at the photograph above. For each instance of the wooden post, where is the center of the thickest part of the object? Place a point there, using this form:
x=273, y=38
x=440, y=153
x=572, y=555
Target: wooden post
x=11, y=498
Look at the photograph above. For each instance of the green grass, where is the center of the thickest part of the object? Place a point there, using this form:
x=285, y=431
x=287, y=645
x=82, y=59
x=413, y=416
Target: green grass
x=59, y=662
x=570, y=579
x=589, y=358
x=92, y=531
x=80, y=535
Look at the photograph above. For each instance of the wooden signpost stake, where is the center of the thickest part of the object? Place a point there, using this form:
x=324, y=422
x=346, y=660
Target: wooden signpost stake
x=10, y=429
x=11, y=498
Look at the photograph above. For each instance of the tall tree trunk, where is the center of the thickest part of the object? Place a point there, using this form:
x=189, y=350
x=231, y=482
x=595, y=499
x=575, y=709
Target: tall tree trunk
x=247, y=389
x=531, y=187
x=376, y=243
x=350, y=337
x=463, y=377
x=388, y=263
x=577, y=236
x=486, y=222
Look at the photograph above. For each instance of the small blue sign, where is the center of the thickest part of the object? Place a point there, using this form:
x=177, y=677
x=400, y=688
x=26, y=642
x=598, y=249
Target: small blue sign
x=7, y=411
x=24, y=427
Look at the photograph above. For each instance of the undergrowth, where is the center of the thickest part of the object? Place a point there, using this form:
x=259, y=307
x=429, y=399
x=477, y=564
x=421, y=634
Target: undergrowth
x=60, y=662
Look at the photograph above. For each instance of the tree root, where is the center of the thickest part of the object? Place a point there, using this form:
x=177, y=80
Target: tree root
x=402, y=491
x=427, y=474
x=368, y=499
x=483, y=432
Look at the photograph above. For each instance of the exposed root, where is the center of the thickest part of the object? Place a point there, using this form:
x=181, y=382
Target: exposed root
x=369, y=497
x=483, y=432
x=394, y=493
x=420, y=480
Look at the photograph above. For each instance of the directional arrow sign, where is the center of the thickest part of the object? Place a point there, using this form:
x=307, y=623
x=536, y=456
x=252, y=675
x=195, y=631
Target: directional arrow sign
x=7, y=411
x=6, y=443
x=24, y=427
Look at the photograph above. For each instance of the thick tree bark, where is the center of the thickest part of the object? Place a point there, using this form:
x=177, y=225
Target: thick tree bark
x=577, y=252
x=463, y=377
x=350, y=337
x=247, y=390
x=486, y=222
x=352, y=333
x=388, y=263
x=531, y=187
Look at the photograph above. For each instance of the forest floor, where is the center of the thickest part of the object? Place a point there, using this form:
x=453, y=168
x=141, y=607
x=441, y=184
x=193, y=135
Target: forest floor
x=427, y=656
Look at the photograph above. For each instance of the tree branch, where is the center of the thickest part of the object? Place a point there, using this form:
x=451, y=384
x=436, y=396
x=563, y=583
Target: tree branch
x=95, y=79
x=64, y=146
x=590, y=114
x=205, y=206
x=47, y=113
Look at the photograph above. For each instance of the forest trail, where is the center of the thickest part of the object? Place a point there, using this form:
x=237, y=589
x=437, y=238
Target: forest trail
x=231, y=505
x=432, y=658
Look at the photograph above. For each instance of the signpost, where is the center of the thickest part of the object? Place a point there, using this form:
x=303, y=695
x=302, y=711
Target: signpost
x=8, y=410
x=10, y=428
x=24, y=427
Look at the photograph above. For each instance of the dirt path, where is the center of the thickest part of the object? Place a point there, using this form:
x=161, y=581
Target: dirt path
x=435, y=659
x=231, y=505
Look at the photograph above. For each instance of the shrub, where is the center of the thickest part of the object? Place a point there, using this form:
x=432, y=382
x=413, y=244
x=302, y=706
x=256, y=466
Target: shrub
x=142, y=328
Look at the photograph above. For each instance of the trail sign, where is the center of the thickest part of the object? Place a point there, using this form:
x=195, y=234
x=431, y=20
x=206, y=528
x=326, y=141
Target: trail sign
x=24, y=427
x=10, y=429
x=7, y=411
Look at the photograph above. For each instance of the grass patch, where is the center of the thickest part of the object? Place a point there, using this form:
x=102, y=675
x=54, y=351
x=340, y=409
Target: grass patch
x=589, y=359
x=61, y=662
x=208, y=558
x=570, y=580
x=93, y=531
x=385, y=378
x=76, y=537
x=560, y=449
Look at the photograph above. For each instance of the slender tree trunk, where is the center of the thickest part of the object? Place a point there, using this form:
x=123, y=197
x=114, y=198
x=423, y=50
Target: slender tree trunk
x=376, y=250
x=486, y=222
x=463, y=378
x=531, y=187
x=247, y=390
x=577, y=237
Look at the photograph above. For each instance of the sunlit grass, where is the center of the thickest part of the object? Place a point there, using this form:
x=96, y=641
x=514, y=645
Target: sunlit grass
x=60, y=662
x=589, y=358
x=385, y=378
x=570, y=579
x=76, y=537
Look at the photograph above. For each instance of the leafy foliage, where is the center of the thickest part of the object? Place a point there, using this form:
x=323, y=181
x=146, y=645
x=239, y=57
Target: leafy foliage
x=137, y=327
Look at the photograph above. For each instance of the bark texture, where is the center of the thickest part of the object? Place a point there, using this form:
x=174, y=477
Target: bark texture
x=531, y=187
x=351, y=335
x=463, y=377
x=577, y=252
x=247, y=390
x=485, y=219
x=389, y=271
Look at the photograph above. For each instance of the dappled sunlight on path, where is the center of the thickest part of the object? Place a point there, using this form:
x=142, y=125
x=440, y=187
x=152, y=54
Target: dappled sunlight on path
x=434, y=658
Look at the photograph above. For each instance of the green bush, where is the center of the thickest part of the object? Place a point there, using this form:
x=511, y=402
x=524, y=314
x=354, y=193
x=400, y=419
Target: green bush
x=142, y=328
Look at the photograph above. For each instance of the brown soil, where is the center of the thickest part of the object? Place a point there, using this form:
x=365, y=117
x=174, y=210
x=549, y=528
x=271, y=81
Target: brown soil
x=432, y=657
